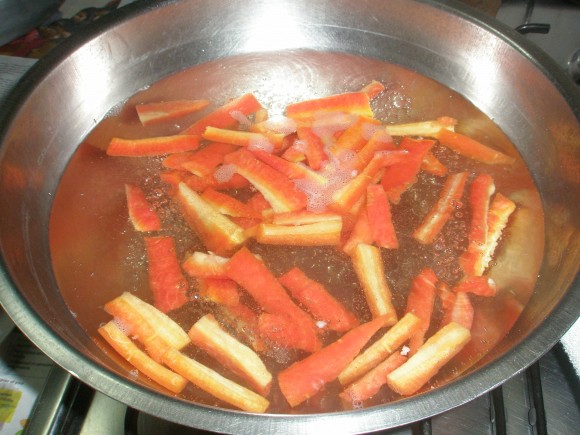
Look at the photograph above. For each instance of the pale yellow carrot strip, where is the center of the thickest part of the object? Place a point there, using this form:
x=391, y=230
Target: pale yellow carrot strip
x=423, y=128
x=129, y=351
x=368, y=265
x=214, y=383
x=380, y=349
x=166, y=328
x=207, y=334
x=325, y=233
x=498, y=214
x=426, y=362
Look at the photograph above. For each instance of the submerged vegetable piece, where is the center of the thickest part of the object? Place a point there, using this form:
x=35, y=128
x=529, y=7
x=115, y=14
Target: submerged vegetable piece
x=440, y=213
x=208, y=335
x=426, y=362
x=218, y=233
x=130, y=352
x=253, y=275
x=399, y=177
x=303, y=217
x=323, y=233
x=477, y=285
x=420, y=302
x=202, y=265
x=460, y=312
x=480, y=193
x=379, y=141
x=278, y=190
x=318, y=301
x=152, y=146
x=215, y=384
x=228, y=205
x=361, y=233
x=151, y=113
x=247, y=139
x=379, y=216
x=204, y=161
x=423, y=128
x=218, y=290
x=166, y=281
x=356, y=135
x=313, y=147
x=373, y=89
x=222, y=117
x=292, y=170
x=141, y=212
x=473, y=149
x=357, y=103
x=433, y=166
x=370, y=384
x=398, y=334
x=369, y=268
x=305, y=378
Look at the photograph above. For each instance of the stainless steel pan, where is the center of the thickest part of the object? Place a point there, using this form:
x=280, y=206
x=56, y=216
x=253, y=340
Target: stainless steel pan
x=62, y=98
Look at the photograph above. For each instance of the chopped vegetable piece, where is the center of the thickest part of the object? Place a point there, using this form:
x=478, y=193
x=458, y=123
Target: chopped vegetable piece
x=399, y=177
x=152, y=146
x=477, y=285
x=129, y=351
x=245, y=322
x=325, y=233
x=361, y=233
x=356, y=135
x=218, y=233
x=379, y=215
x=228, y=205
x=222, y=117
x=305, y=378
x=218, y=290
x=398, y=334
x=480, y=193
x=423, y=128
x=356, y=103
x=199, y=184
x=433, y=166
x=141, y=212
x=164, y=325
x=318, y=301
x=150, y=113
x=313, y=147
x=281, y=330
x=499, y=212
x=379, y=141
x=461, y=312
x=440, y=213
x=276, y=188
x=303, y=217
x=473, y=149
x=373, y=89
x=202, y=265
x=293, y=170
x=166, y=281
x=174, y=161
x=215, y=384
x=208, y=335
x=368, y=265
x=426, y=362
x=244, y=138
x=446, y=296
x=253, y=275
x=370, y=384
x=420, y=302
x=204, y=161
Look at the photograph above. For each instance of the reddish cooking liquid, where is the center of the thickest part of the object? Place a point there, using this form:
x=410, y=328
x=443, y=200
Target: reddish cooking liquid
x=97, y=255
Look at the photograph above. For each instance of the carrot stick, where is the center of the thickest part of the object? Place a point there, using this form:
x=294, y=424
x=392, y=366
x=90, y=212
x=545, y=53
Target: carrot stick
x=248, y=139
x=305, y=378
x=130, y=352
x=228, y=205
x=202, y=265
x=433, y=166
x=361, y=233
x=370, y=384
x=420, y=302
x=473, y=149
x=381, y=349
x=368, y=266
x=461, y=312
x=152, y=146
x=379, y=215
x=426, y=362
x=423, y=128
x=141, y=213
x=325, y=233
x=151, y=113
x=208, y=335
x=441, y=211
x=373, y=89
x=351, y=102
x=215, y=384
x=318, y=300
x=477, y=285
x=220, y=291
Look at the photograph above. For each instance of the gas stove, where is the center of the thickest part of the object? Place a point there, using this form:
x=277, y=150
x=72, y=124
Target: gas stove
x=543, y=399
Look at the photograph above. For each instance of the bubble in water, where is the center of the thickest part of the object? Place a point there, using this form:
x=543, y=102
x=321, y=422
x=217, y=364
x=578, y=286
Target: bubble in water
x=224, y=173
x=134, y=373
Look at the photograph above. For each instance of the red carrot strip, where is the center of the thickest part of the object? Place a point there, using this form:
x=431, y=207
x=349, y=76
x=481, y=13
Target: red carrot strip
x=307, y=377
x=151, y=113
x=441, y=211
x=499, y=212
x=420, y=302
x=361, y=233
x=313, y=147
x=208, y=335
x=473, y=149
x=422, y=128
x=480, y=193
x=166, y=281
x=218, y=233
x=247, y=139
x=253, y=275
x=228, y=205
x=203, y=162
x=373, y=89
x=174, y=161
x=276, y=188
x=379, y=215
x=280, y=330
x=141, y=213
x=356, y=135
x=153, y=146
x=318, y=301
x=398, y=178
x=323, y=233
x=292, y=170
x=222, y=118
x=353, y=102
x=245, y=322
x=446, y=296
x=434, y=354
x=477, y=285
x=461, y=312
x=371, y=383
x=433, y=166
x=368, y=265
x=199, y=184
x=221, y=291
x=379, y=141
x=303, y=217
